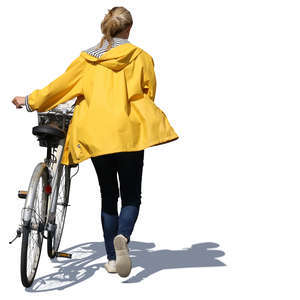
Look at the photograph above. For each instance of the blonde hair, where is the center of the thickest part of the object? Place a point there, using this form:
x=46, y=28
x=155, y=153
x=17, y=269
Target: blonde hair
x=115, y=21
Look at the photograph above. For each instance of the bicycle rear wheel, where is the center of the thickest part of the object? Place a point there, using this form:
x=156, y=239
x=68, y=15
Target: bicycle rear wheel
x=32, y=233
x=54, y=239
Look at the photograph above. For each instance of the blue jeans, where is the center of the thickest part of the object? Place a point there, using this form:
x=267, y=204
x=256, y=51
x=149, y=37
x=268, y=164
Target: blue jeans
x=129, y=167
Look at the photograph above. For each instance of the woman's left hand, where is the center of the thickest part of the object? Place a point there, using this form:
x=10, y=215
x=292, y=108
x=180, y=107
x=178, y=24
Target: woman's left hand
x=19, y=101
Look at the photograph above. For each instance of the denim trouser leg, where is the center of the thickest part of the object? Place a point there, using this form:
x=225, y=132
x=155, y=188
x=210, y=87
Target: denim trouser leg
x=110, y=230
x=113, y=225
x=127, y=219
x=129, y=166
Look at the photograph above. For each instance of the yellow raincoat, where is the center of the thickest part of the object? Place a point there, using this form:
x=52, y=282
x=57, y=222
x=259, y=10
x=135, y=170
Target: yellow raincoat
x=115, y=108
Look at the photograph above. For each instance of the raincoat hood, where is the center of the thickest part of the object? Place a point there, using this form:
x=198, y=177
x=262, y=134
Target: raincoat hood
x=115, y=59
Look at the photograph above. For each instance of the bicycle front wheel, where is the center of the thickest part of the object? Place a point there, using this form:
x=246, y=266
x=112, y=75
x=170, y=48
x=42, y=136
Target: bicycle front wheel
x=32, y=233
x=54, y=240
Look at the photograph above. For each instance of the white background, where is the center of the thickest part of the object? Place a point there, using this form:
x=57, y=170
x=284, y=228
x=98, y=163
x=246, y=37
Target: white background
x=219, y=214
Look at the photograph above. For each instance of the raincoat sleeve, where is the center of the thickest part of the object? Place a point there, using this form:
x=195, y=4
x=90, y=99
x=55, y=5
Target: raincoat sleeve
x=149, y=78
x=62, y=89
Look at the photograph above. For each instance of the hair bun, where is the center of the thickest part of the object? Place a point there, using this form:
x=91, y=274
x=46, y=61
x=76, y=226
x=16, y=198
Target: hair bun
x=115, y=21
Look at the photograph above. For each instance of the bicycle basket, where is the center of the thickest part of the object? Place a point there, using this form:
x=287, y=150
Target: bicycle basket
x=53, y=124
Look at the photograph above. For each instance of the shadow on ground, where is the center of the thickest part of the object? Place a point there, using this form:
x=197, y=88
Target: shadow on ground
x=82, y=266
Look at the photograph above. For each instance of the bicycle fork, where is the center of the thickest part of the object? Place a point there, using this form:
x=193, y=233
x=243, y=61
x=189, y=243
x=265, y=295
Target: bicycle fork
x=29, y=202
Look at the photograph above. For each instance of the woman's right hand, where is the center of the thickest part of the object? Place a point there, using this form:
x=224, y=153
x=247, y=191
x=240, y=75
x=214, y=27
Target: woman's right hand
x=19, y=101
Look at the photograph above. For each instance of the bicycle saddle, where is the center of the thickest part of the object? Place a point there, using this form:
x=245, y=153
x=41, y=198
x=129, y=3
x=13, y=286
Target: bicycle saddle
x=48, y=135
x=48, y=130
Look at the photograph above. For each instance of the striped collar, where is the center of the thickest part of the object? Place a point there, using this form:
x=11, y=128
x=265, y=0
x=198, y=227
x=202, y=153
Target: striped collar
x=98, y=52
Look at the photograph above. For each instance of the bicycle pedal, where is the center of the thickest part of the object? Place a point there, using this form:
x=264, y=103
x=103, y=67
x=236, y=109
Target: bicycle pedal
x=63, y=254
x=22, y=194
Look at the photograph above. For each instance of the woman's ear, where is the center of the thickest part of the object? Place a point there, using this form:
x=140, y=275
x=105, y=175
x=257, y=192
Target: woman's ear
x=128, y=28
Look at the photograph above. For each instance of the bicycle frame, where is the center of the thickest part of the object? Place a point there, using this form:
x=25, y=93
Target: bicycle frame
x=55, y=183
x=54, y=175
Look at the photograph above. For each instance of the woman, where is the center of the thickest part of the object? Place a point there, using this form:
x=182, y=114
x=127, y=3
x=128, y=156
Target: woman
x=114, y=120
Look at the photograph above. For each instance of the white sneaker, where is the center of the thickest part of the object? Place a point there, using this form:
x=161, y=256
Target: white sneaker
x=123, y=261
x=110, y=266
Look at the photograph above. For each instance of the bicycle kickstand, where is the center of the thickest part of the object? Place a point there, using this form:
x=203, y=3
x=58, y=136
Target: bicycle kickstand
x=19, y=232
x=21, y=194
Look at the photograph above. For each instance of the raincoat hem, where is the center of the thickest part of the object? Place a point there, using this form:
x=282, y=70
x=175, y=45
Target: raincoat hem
x=152, y=144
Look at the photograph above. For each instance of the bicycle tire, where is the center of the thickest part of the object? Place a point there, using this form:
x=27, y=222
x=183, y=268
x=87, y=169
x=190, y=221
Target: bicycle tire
x=53, y=240
x=35, y=227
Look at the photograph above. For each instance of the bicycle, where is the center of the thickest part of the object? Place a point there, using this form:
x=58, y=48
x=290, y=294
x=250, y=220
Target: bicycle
x=47, y=197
